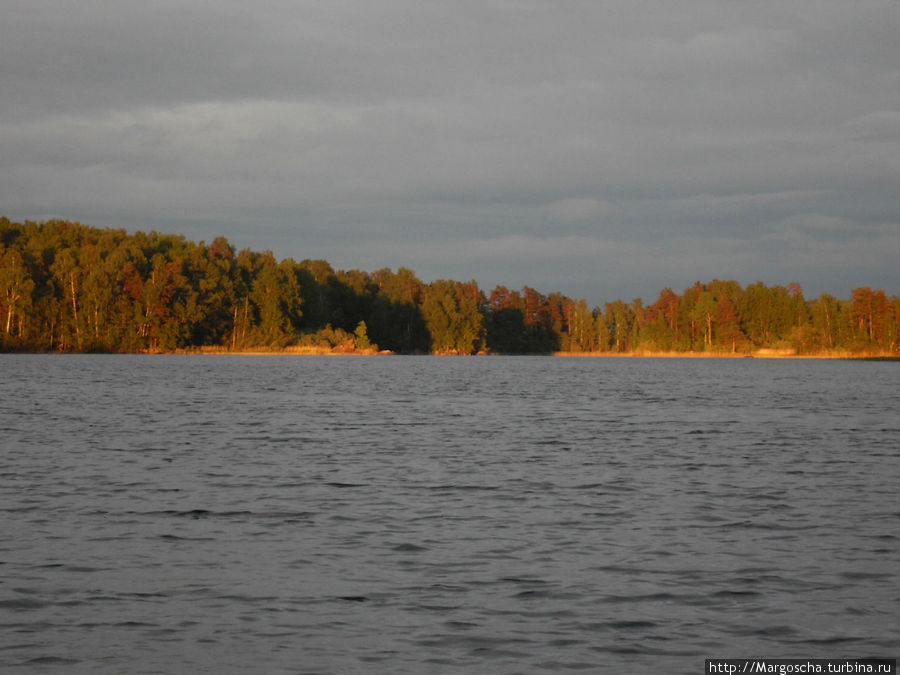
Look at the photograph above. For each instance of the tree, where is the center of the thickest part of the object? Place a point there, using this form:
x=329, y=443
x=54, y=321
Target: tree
x=660, y=330
x=395, y=321
x=621, y=324
x=211, y=272
x=453, y=315
x=65, y=286
x=506, y=330
x=757, y=312
x=703, y=312
x=728, y=331
x=892, y=326
x=825, y=322
x=582, y=329
x=870, y=312
x=158, y=295
x=361, y=338
x=275, y=293
x=601, y=327
x=16, y=287
x=67, y=275
x=97, y=294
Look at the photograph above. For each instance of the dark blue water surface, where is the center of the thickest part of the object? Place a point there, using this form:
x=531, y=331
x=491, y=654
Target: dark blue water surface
x=284, y=514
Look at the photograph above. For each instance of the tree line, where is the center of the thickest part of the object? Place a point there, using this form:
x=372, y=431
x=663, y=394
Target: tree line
x=65, y=286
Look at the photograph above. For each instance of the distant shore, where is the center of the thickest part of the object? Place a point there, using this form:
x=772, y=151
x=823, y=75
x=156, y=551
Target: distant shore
x=292, y=350
x=322, y=351
x=758, y=354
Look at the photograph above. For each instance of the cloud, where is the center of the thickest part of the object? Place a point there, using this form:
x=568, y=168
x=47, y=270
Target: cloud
x=592, y=147
x=879, y=126
x=580, y=209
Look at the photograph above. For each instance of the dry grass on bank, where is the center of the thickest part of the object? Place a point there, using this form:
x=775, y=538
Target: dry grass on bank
x=343, y=350
x=759, y=354
x=301, y=350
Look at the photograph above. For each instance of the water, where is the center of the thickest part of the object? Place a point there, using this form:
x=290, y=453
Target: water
x=412, y=514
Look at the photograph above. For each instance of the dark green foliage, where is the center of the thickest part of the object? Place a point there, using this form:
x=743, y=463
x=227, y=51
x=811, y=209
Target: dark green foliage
x=526, y=323
x=69, y=287
x=453, y=314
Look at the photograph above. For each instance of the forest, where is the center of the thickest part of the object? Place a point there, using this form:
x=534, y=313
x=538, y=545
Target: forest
x=69, y=287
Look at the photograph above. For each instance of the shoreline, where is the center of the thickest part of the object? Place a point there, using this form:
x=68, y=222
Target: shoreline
x=322, y=351
x=759, y=354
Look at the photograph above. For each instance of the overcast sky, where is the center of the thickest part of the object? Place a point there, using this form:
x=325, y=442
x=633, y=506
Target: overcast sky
x=601, y=149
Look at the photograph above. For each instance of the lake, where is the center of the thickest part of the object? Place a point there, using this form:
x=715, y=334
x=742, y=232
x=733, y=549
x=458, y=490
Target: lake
x=285, y=514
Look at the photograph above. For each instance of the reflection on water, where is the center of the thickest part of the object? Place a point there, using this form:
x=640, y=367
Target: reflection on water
x=410, y=514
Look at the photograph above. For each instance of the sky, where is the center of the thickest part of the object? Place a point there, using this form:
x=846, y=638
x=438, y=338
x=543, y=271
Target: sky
x=603, y=149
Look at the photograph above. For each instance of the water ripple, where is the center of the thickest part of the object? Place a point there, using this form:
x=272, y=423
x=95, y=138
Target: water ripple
x=181, y=514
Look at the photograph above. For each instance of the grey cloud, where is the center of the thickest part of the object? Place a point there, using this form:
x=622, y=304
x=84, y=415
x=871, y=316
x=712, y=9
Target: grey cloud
x=589, y=147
